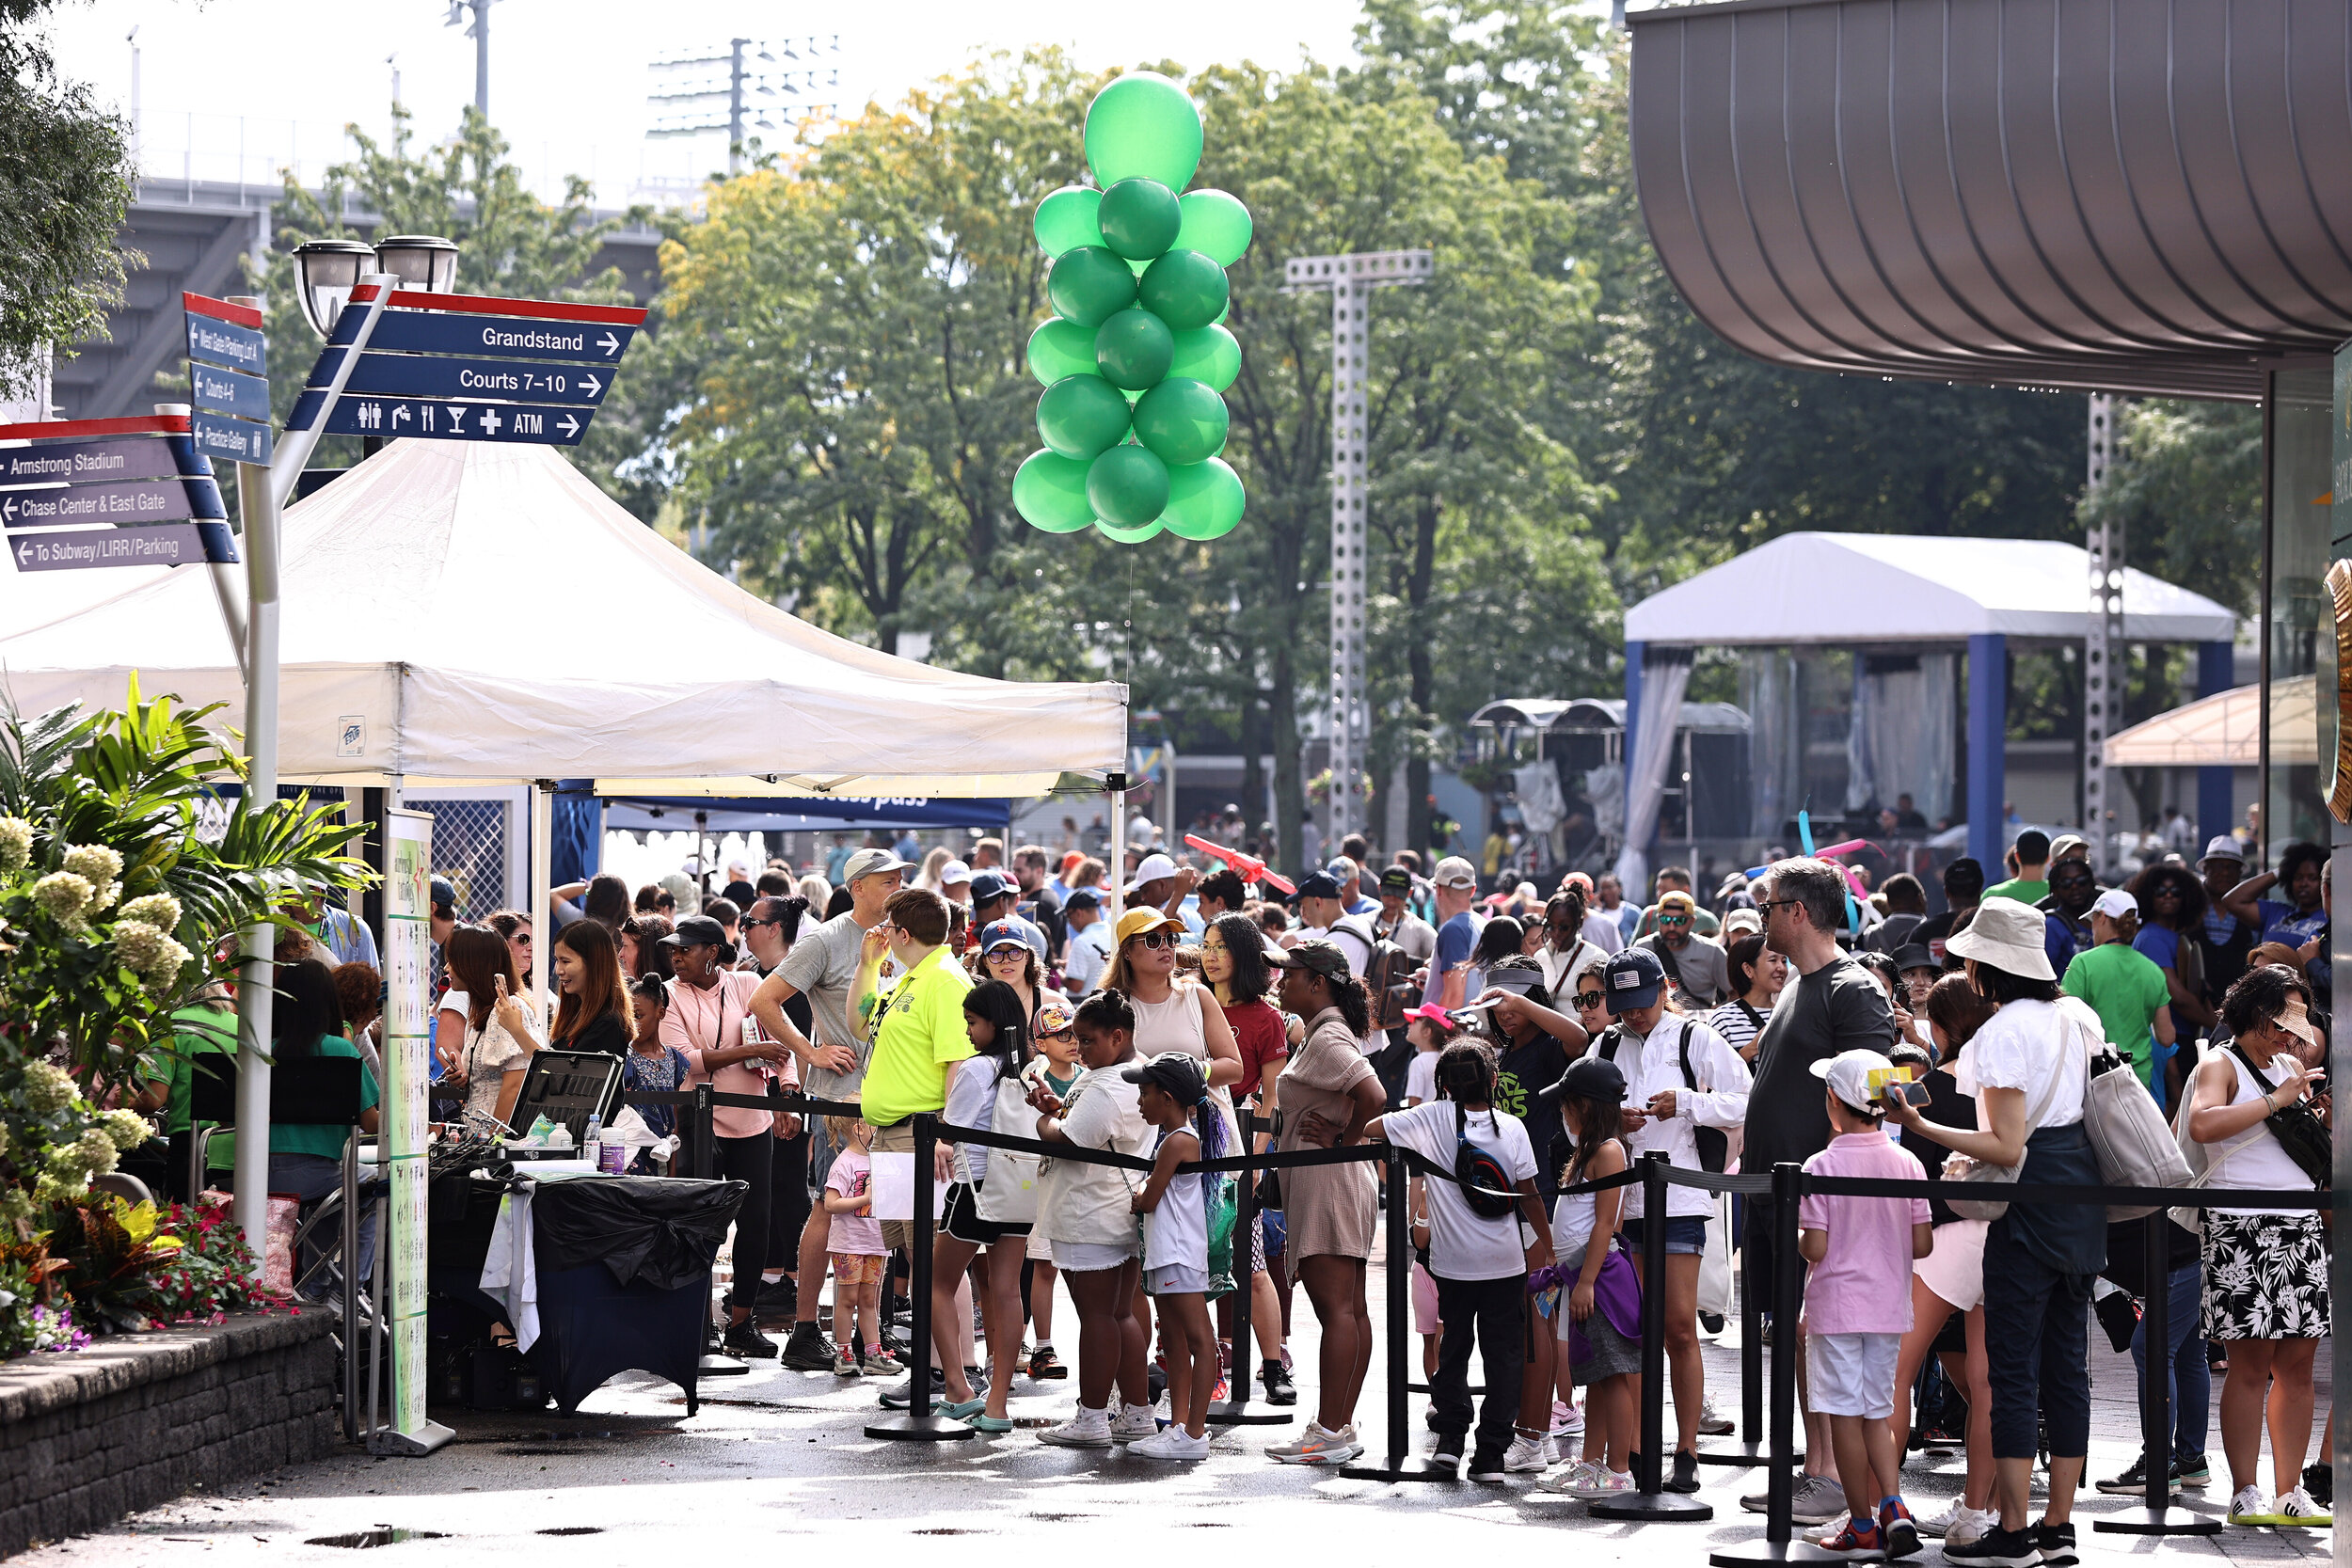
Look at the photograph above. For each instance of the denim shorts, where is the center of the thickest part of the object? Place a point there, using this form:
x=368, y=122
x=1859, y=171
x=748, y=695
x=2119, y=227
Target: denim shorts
x=1685, y=1234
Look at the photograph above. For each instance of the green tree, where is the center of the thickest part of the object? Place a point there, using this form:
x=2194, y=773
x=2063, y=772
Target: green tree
x=66, y=176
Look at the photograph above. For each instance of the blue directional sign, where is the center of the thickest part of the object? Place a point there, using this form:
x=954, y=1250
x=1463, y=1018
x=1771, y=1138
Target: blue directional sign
x=238, y=440
x=499, y=337
x=73, y=462
x=220, y=391
x=538, y=423
x=221, y=342
x=413, y=376
x=173, y=545
x=107, y=503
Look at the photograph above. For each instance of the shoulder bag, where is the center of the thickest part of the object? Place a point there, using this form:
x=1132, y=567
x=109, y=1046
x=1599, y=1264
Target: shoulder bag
x=1008, y=1194
x=1486, y=1187
x=2298, y=1129
x=2128, y=1135
x=1714, y=1143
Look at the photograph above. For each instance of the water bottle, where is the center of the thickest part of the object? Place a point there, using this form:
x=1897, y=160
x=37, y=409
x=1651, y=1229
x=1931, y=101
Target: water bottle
x=590, y=1141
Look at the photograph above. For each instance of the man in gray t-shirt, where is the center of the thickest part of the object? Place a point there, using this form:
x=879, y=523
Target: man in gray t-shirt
x=821, y=966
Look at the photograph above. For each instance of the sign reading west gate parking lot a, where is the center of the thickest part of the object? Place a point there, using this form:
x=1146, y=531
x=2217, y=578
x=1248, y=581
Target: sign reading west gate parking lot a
x=462, y=368
x=228, y=379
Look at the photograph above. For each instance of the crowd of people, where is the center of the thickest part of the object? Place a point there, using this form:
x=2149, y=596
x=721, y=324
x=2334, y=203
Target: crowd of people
x=1529, y=1045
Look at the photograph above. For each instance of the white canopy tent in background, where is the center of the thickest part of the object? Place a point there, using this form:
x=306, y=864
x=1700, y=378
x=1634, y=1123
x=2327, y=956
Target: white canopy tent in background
x=2225, y=730
x=1890, y=594
x=460, y=611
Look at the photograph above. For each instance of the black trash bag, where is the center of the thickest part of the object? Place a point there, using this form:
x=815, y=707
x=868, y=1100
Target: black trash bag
x=657, y=1230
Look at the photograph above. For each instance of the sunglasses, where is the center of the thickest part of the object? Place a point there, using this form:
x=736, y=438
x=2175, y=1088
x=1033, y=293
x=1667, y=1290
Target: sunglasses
x=1673, y=920
x=1769, y=905
x=1558, y=927
x=1588, y=999
x=1155, y=940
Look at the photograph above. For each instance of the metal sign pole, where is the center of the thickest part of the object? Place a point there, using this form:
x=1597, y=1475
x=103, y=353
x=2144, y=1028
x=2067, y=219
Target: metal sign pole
x=2106, y=660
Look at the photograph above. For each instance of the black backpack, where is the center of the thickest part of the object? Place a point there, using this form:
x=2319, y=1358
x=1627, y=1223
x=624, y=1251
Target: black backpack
x=1486, y=1187
x=1714, y=1143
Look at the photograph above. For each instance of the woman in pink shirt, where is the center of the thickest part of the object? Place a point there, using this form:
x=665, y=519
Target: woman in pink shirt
x=709, y=1007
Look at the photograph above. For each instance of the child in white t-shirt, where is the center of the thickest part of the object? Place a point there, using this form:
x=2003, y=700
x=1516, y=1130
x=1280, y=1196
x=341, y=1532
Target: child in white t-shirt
x=1174, y=1097
x=1428, y=1030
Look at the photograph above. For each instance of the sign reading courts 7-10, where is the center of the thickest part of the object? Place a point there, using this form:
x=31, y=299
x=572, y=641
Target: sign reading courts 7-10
x=462, y=368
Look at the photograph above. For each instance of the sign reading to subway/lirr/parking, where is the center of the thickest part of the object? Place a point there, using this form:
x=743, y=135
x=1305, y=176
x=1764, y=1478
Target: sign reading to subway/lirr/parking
x=173, y=545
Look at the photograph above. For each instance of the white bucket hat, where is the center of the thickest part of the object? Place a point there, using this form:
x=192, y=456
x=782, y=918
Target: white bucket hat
x=2007, y=935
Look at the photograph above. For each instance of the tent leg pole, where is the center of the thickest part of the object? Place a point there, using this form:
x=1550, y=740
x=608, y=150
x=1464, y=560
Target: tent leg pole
x=255, y=993
x=1117, y=891
x=542, y=879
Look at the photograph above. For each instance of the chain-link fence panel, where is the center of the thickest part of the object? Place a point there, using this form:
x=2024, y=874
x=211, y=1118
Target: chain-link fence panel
x=469, y=839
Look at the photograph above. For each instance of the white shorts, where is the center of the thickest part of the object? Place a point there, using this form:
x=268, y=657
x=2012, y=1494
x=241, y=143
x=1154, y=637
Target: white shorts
x=1176, y=1279
x=1955, y=1270
x=1088, y=1256
x=1851, y=1374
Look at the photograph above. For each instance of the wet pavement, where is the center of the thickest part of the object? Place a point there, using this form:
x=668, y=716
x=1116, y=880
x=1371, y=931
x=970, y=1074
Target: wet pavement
x=778, y=1458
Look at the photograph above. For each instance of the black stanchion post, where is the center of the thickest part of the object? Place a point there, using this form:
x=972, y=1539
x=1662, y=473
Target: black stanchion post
x=705, y=1133
x=920, y=1425
x=1753, y=1449
x=1651, y=1502
x=1236, y=1410
x=1779, y=1476
x=1396, y=1287
x=2157, y=1515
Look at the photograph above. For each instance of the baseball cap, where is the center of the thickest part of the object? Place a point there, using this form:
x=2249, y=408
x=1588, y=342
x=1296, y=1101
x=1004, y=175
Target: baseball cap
x=2223, y=848
x=444, y=894
x=1316, y=953
x=1914, y=955
x=1153, y=867
x=1397, y=879
x=1677, y=902
x=2115, y=904
x=1454, y=871
x=1083, y=898
x=1430, y=1013
x=1137, y=922
x=1738, y=921
x=1341, y=868
x=1578, y=880
x=954, y=871
x=1848, y=1075
x=1055, y=1016
x=1001, y=933
x=1593, y=1078
x=1173, y=1071
x=1631, y=979
x=696, y=930
x=870, y=863
x=987, y=885
x=738, y=868
x=1317, y=885
x=2060, y=846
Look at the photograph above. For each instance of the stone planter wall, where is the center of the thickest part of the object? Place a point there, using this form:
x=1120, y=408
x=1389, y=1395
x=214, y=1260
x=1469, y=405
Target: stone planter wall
x=89, y=1437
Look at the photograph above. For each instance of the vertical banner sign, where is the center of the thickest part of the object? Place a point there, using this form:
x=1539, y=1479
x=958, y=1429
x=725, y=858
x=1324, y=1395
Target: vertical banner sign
x=408, y=1077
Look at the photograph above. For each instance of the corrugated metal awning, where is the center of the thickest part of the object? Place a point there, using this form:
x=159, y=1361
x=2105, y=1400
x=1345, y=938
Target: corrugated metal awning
x=2139, y=195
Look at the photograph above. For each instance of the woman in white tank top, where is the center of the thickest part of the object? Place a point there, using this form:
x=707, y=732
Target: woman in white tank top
x=1172, y=1015
x=2266, y=1268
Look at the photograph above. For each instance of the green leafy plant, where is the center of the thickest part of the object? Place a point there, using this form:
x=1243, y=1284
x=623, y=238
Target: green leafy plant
x=212, y=1270
x=113, y=1253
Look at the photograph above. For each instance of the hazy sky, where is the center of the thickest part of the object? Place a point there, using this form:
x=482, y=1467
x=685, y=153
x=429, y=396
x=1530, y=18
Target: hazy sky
x=569, y=78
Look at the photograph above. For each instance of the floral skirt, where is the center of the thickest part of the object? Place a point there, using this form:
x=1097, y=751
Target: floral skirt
x=2266, y=1276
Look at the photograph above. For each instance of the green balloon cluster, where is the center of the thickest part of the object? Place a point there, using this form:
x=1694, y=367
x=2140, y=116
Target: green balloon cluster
x=1135, y=361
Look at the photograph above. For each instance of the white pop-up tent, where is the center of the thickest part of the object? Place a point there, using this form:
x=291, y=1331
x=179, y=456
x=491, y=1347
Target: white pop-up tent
x=463, y=611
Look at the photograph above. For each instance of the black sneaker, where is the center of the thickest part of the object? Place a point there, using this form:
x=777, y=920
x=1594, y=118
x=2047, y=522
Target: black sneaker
x=1711, y=1321
x=2055, y=1544
x=2320, y=1481
x=1997, y=1549
x=1686, y=1473
x=807, y=1350
x=746, y=1340
x=1280, y=1389
x=2134, y=1481
x=901, y=1395
x=777, y=1301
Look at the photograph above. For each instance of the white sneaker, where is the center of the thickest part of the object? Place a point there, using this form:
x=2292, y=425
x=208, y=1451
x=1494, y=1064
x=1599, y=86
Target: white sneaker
x=1712, y=1424
x=1606, y=1483
x=1529, y=1454
x=1315, y=1445
x=1088, y=1429
x=1974, y=1525
x=2249, y=1507
x=1134, y=1421
x=1936, y=1527
x=2297, y=1508
x=1567, y=1420
x=1564, y=1481
x=1171, y=1443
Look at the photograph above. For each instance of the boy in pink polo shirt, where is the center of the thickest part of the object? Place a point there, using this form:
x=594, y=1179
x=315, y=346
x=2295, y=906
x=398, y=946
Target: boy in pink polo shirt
x=1857, y=1306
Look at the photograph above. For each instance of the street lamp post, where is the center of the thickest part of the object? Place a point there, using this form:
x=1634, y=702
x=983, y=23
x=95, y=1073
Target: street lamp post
x=1350, y=279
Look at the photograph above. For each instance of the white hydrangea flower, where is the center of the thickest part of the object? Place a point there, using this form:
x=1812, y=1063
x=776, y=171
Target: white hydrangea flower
x=140, y=944
x=16, y=843
x=160, y=909
x=47, y=1089
x=65, y=895
x=96, y=1152
x=103, y=867
x=165, y=972
x=3, y=1137
x=125, y=1129
x=16, y=1206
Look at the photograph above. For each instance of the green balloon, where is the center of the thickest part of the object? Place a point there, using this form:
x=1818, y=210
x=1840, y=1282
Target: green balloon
x=1081, y=416
x=1139, y=218
x=1143, y=124
x=1126, y=535
x=1090, y=284
x=1132, y=350
x=1059, y=348
x=1215, y=224
x=1204, y=501
x=1127, y=486
x=1183, y=421
x=1182, y=288
x=1206, y=353
x=1050, y=490
x=1065, y=220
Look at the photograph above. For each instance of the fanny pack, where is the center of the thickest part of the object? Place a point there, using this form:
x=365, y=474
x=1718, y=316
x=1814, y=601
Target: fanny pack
x=1486, y=1187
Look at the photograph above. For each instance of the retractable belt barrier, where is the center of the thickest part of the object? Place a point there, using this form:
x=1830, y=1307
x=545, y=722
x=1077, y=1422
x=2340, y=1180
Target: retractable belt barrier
x=1782, y=1190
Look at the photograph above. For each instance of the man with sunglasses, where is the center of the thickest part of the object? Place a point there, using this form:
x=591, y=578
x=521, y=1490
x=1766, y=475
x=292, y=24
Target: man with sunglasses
x=2068, y=934
x=1694, y=966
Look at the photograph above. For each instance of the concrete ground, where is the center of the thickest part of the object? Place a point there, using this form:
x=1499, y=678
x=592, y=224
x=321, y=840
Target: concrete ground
x=777, y=1458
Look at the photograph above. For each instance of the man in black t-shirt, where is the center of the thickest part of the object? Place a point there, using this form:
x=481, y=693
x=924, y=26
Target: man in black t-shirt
x=1964, y=889
x=1830, y=1005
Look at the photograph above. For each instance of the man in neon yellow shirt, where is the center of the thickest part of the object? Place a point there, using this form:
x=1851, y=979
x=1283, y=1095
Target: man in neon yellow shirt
x=918, y=1028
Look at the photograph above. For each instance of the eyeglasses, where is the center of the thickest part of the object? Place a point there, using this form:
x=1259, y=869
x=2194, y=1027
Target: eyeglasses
x=995, y=952
x=1588, y=999
x=1769, y=905
x=1155, y=940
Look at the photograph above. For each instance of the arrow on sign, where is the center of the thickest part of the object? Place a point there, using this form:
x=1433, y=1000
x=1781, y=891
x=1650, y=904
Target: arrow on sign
x=611, y=344
x=596, y=388
x=25, y=552
x=568, y=426
x=7, y=510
